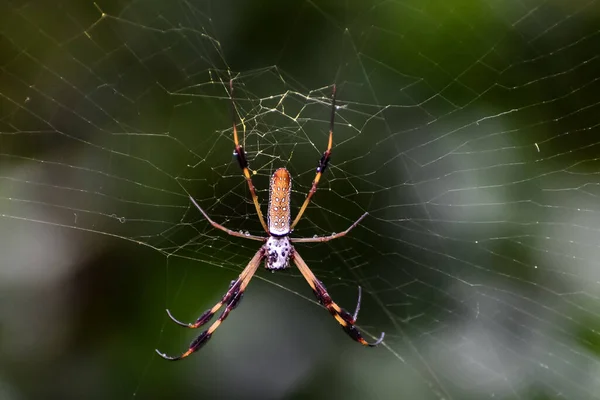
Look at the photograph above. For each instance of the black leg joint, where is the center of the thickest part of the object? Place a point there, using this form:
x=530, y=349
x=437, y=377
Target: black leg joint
x=240, y=156
x=352, y=332
x=200, y=341
x=323, y=162
x=204, y=318
x=236, y=301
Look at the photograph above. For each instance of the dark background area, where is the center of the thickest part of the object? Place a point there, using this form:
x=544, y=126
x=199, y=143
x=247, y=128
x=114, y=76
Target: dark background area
x=467, y=129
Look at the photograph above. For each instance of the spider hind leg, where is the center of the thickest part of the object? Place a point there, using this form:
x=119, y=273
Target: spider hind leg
x=231, y=300
x=343, y=317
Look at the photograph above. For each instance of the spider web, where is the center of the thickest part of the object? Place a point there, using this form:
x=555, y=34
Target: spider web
x=467, y=130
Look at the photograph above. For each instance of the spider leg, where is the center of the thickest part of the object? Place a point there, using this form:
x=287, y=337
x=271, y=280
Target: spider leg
x=342, y=316
x=232, y=298
x=221, y=227
x=240, y=155
x=233, y=290
x=328, y=238
x=322, y=164
x=355, y=315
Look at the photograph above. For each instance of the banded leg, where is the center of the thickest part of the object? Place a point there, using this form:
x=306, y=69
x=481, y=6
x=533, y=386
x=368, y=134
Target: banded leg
x=323, y=162
x=234, y=287
x=221, y=227
x=240, y=155
x=342, y=316
x=331, y=237
x=231, y=298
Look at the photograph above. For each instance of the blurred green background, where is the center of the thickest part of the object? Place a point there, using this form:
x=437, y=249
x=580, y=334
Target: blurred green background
x=467, y=129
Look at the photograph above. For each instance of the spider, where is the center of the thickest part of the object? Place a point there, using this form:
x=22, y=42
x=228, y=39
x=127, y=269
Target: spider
x=277, y=249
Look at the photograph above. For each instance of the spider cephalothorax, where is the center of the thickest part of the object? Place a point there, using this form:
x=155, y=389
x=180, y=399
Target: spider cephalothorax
x=277, y=249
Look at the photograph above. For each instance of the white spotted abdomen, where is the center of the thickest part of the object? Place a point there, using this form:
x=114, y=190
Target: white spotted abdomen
x=278, y=217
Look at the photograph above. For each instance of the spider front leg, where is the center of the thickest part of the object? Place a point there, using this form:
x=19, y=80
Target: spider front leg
x=323, y=162
x=240, y=155
x=232, y=298
x=343, y=317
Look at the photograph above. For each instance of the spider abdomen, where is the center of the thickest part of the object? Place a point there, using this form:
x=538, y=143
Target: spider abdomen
x=278, y=252
x=279, y=203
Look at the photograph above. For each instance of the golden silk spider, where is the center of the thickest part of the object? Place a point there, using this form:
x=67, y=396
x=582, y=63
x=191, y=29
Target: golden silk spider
x=277, y=249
